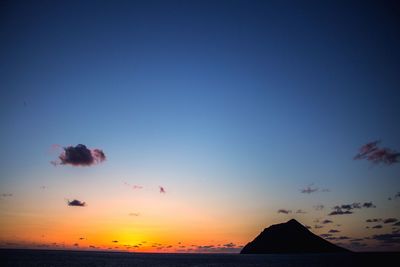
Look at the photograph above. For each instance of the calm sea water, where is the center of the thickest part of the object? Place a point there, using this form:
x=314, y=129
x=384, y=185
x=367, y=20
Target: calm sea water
x=9, y=257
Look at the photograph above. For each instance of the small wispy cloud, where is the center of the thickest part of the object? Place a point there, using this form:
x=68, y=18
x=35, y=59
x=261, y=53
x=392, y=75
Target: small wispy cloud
x=6, y=195
x=300, y=211
x=284, y=211
x=162, y=190
x=309, y=189
x=76, y=203
x=135, y=214
x=80, y=155
x=333, y=231
x=377, y=226
x=132, y=186
x=377, y=155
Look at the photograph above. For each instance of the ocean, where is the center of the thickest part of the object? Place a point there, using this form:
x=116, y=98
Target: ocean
x=54, y=258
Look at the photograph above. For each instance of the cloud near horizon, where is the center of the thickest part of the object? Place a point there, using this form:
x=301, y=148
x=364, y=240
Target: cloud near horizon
x=80, y=155
x=76, y=203
x=377, y=155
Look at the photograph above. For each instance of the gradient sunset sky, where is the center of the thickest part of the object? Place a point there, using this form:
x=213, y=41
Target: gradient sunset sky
x=246, y=114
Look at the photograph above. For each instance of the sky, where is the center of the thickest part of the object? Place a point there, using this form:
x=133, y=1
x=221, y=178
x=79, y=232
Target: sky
x=212, y=120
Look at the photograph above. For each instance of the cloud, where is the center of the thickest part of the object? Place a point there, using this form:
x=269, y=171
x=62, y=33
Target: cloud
x=368, y=205
x=284, y=211
x=388, y=238
x=326, y=221
x=374, y=220
x=115, y=241
x=319, y=207
x=377, y=226
x=326, y=235
x=76, y=203
x=333, y=231
x=6, y=195
x=301, y=211
x=318, y=226
x=229, y=247
x=134, y=214
x=397, y=224
x=307, y=226
x=340, y=212
x=338, y=238
x=309, y=190
x=80, y=155
x=347, y=208
x=162, y=190
x=377, y=155
x=134, y=187
x=390, y=220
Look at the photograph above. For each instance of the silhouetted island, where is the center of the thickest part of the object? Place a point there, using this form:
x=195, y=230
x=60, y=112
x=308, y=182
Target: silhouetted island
x=289, y=237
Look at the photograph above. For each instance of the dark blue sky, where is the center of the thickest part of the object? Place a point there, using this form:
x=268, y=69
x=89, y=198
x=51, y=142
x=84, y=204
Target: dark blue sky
x=244, y=94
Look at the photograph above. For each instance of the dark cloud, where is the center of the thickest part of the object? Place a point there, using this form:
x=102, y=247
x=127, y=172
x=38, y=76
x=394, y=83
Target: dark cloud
x=340, y=212
x=368, y=205
x=326, y=221
x=375, y=154
x=81, y=238
x=374, y=220
x=307, y=226
x=76, y=203
x=301, y=211
x=347, y=208
x=6, y=195
x=334, y=231
x=115, y=241
x=319, y=207
x=397, y=195
x=397, y=224
x=318, y=226
x=388, y=238
x=284, y=211
x=162, y=190
x=230, y=245
x=377, y=226
x=390, y=220
x=80, y=155
x=357, y=240
x=309, y=190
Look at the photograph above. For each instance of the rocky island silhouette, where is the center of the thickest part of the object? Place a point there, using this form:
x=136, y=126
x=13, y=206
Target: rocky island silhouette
x=289, y=237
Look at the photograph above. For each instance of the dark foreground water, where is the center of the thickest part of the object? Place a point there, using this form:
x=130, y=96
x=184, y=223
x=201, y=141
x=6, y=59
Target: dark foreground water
x=10, y=257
